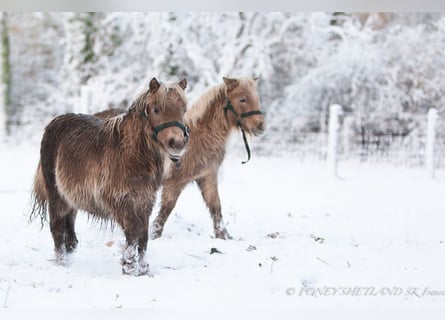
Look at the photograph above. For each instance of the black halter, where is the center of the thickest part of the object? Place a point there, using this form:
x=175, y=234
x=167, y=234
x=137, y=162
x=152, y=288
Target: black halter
x=163, y=126
x=178, y=124
x=229, y=107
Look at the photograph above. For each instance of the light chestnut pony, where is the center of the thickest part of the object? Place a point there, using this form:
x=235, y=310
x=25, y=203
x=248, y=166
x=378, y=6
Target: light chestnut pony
x=218, y=112
x=211, y=121
x=110, y=168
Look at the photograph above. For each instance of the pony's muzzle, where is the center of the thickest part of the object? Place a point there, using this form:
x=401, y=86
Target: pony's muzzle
x=173, y=136
x=175, y=148
x=258, y=128
x=177, y=144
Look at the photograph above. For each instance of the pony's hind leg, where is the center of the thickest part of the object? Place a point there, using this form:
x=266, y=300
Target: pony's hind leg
x=70, y=236
x=209, y=190
x=58, y=212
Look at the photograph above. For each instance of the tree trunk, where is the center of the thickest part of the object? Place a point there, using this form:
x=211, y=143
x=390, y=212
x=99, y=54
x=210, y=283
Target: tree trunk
x=5, y=70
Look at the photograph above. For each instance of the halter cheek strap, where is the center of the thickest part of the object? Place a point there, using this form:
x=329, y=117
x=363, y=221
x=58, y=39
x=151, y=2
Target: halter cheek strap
x=229, y=107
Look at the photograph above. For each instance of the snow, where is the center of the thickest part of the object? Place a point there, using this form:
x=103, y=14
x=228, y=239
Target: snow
x=297, y=231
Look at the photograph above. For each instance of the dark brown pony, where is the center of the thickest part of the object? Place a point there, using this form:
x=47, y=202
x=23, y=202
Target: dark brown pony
x=110, y=168
x=220, y=111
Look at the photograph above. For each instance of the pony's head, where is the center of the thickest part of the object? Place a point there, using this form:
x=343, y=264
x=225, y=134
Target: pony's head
x=164, y=109
x=244, y=100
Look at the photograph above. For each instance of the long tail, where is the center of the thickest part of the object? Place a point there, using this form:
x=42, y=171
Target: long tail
x=39, y=197
x=40, y=194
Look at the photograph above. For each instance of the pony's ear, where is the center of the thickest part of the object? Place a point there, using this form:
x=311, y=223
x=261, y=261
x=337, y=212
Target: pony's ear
x=154, y=84
x=230, y=83
x=183, y=84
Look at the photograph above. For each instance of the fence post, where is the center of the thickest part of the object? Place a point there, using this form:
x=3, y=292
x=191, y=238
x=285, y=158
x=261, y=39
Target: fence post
x=3, y=117
x=346, y=135
x=430, y=140
x=334, y=113
x=85, y=100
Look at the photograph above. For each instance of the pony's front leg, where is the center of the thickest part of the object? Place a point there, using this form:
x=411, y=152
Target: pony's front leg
x=133, y=262
x=130, y=259
x=209, y=190
x=170, y=193
x=142, y=248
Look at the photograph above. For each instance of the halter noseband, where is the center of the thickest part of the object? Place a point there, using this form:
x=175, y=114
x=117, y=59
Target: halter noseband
x=229, y=107
x=178, y=124
x=163, y=126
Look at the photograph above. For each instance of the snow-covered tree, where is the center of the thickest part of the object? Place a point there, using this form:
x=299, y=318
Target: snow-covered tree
x=36, y=61
x=385, y=69
x=381, y=75
x=79, y=61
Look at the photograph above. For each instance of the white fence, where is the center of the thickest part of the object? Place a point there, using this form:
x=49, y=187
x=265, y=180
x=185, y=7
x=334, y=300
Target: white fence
x=422, y=147
x=430, y=141
x=85, y=100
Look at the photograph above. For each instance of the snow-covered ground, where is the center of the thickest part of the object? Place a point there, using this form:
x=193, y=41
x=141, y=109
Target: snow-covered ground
x=302, y=239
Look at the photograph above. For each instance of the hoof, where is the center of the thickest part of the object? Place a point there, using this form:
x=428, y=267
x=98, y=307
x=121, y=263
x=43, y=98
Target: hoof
x=144, y=270
x=71, y=245
x=136, y=269
x=156, y=232
x=156, y=235
x=61, y=259
x=223, y=234
x=133, y=263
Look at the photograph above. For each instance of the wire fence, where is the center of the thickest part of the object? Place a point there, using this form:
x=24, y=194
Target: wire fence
x=308, y=146
x=398, y=149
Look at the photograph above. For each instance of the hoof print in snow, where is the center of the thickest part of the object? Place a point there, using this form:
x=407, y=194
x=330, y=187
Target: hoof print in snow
x=273, y=235
x=214, y=250
x=317, y=239
x=251, y=248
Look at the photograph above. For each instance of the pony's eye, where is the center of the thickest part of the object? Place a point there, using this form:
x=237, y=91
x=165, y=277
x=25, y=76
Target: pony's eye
x=156, y=110
x=243, y=100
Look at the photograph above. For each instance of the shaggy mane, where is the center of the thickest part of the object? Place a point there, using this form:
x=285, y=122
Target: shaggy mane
x=114, y=124
x=218, y=92
x=198, y=109
x=140, y=102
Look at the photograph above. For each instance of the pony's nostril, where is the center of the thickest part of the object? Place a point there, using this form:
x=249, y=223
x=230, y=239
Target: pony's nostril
x=176, y=144
x=172, y=143
x=260, y=127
